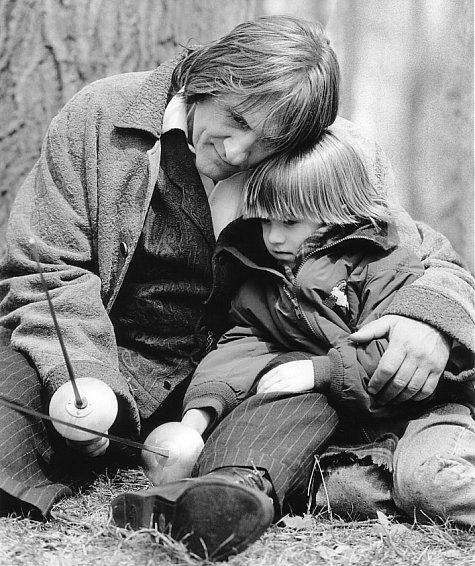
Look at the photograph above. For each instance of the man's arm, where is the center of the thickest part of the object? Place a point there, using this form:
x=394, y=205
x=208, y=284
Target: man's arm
x=443, y=298
x=55, y=206
x=425, y=319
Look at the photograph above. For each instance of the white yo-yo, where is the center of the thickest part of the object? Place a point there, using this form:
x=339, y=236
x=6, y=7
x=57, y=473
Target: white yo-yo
x=184, y=445
x=97, y=409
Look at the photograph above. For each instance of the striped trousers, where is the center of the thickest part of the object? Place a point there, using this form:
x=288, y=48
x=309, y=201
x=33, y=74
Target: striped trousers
x=279, y=433
x=27, y=468
x=36, y=469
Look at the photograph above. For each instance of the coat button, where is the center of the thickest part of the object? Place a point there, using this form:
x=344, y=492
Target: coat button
x=124, y=250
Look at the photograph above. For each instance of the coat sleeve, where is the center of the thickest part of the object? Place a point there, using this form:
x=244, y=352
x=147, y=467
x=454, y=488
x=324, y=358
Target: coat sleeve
x=444, y=296
x=56, y=205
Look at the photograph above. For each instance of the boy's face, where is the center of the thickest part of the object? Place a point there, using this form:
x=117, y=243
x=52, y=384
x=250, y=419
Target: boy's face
x=283, y=238
x=227, y=141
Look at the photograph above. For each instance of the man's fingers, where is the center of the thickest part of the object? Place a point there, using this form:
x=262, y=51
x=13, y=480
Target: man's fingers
x=388, y=366
x=429, y=387
x=412, y=387
x=396, y=389
x=375, y=329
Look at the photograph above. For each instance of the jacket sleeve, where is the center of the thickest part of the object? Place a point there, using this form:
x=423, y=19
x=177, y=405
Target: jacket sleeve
x=57, y=207
x=224, y=378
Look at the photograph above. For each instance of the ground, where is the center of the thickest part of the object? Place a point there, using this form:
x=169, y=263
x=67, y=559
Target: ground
x=81, y=534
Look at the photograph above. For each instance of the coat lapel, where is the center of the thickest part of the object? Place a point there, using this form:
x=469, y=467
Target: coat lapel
x=181, y=171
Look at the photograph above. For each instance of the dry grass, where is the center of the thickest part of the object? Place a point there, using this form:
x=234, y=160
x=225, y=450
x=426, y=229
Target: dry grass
x=81, y=534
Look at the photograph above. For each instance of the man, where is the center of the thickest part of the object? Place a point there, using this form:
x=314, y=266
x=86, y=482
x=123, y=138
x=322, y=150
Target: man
x=134, y=183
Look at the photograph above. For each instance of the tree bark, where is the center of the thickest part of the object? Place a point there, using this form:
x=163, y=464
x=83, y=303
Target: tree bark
x=407, y=79
x=49, y=49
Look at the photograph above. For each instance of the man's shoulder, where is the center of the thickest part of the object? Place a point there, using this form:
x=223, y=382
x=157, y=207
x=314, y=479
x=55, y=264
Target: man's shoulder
x=105, y=99
x=352, y=132
x=124, y=85
x=379, y=167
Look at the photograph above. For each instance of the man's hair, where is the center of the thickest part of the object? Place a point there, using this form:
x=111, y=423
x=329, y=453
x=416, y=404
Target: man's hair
x=277, y=63
x=328, y=184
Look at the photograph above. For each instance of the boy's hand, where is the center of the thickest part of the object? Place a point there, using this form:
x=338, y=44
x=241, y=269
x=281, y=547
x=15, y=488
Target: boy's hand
x=294, y=377
x=413, y=362
x=198, y=419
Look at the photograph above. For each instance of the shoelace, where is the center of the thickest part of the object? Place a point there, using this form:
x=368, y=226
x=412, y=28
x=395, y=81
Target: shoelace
x=251, y=478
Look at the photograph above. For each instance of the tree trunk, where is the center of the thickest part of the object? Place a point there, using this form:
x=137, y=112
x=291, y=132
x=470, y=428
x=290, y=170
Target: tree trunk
x=49, y=49
x=407, y=79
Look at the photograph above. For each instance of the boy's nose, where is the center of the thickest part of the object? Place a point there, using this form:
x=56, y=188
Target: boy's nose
x=276, y=236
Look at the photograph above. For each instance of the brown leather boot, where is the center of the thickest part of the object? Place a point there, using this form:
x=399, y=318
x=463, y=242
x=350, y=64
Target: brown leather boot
x=215, y=516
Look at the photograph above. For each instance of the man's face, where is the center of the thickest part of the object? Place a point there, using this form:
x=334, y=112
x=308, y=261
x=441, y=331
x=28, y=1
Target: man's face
x=227, y=141
x=283, y=238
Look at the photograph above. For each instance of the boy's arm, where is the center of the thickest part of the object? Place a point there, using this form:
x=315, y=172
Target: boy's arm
x=344, y=372
x=224, y=378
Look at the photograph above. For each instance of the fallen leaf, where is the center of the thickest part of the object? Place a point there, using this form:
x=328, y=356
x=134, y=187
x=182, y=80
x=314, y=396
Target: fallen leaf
x=299, y=522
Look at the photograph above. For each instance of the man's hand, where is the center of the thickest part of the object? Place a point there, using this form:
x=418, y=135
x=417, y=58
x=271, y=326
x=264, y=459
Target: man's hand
x=90, y=448
x=413, y=362
x=293, y=377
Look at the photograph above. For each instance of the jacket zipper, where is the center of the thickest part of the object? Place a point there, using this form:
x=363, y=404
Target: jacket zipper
x=328, y=246
x=292, y=295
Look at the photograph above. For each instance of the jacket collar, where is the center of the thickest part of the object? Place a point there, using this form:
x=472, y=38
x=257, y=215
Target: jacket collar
x=242, y=238
x=145, y=111
x=383, y=236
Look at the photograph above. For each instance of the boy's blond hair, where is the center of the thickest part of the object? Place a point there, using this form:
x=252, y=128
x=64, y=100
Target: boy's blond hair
x=328, y=184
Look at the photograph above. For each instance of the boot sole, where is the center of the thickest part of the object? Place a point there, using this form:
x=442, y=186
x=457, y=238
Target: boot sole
x=214, y=519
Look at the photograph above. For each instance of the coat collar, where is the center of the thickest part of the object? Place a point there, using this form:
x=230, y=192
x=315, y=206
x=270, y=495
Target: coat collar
x=145, y=111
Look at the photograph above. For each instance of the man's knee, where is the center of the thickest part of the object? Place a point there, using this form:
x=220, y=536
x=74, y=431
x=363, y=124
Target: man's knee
x=436, y=489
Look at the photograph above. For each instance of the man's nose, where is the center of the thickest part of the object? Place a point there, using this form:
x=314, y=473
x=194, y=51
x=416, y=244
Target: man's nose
x=238, y=147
